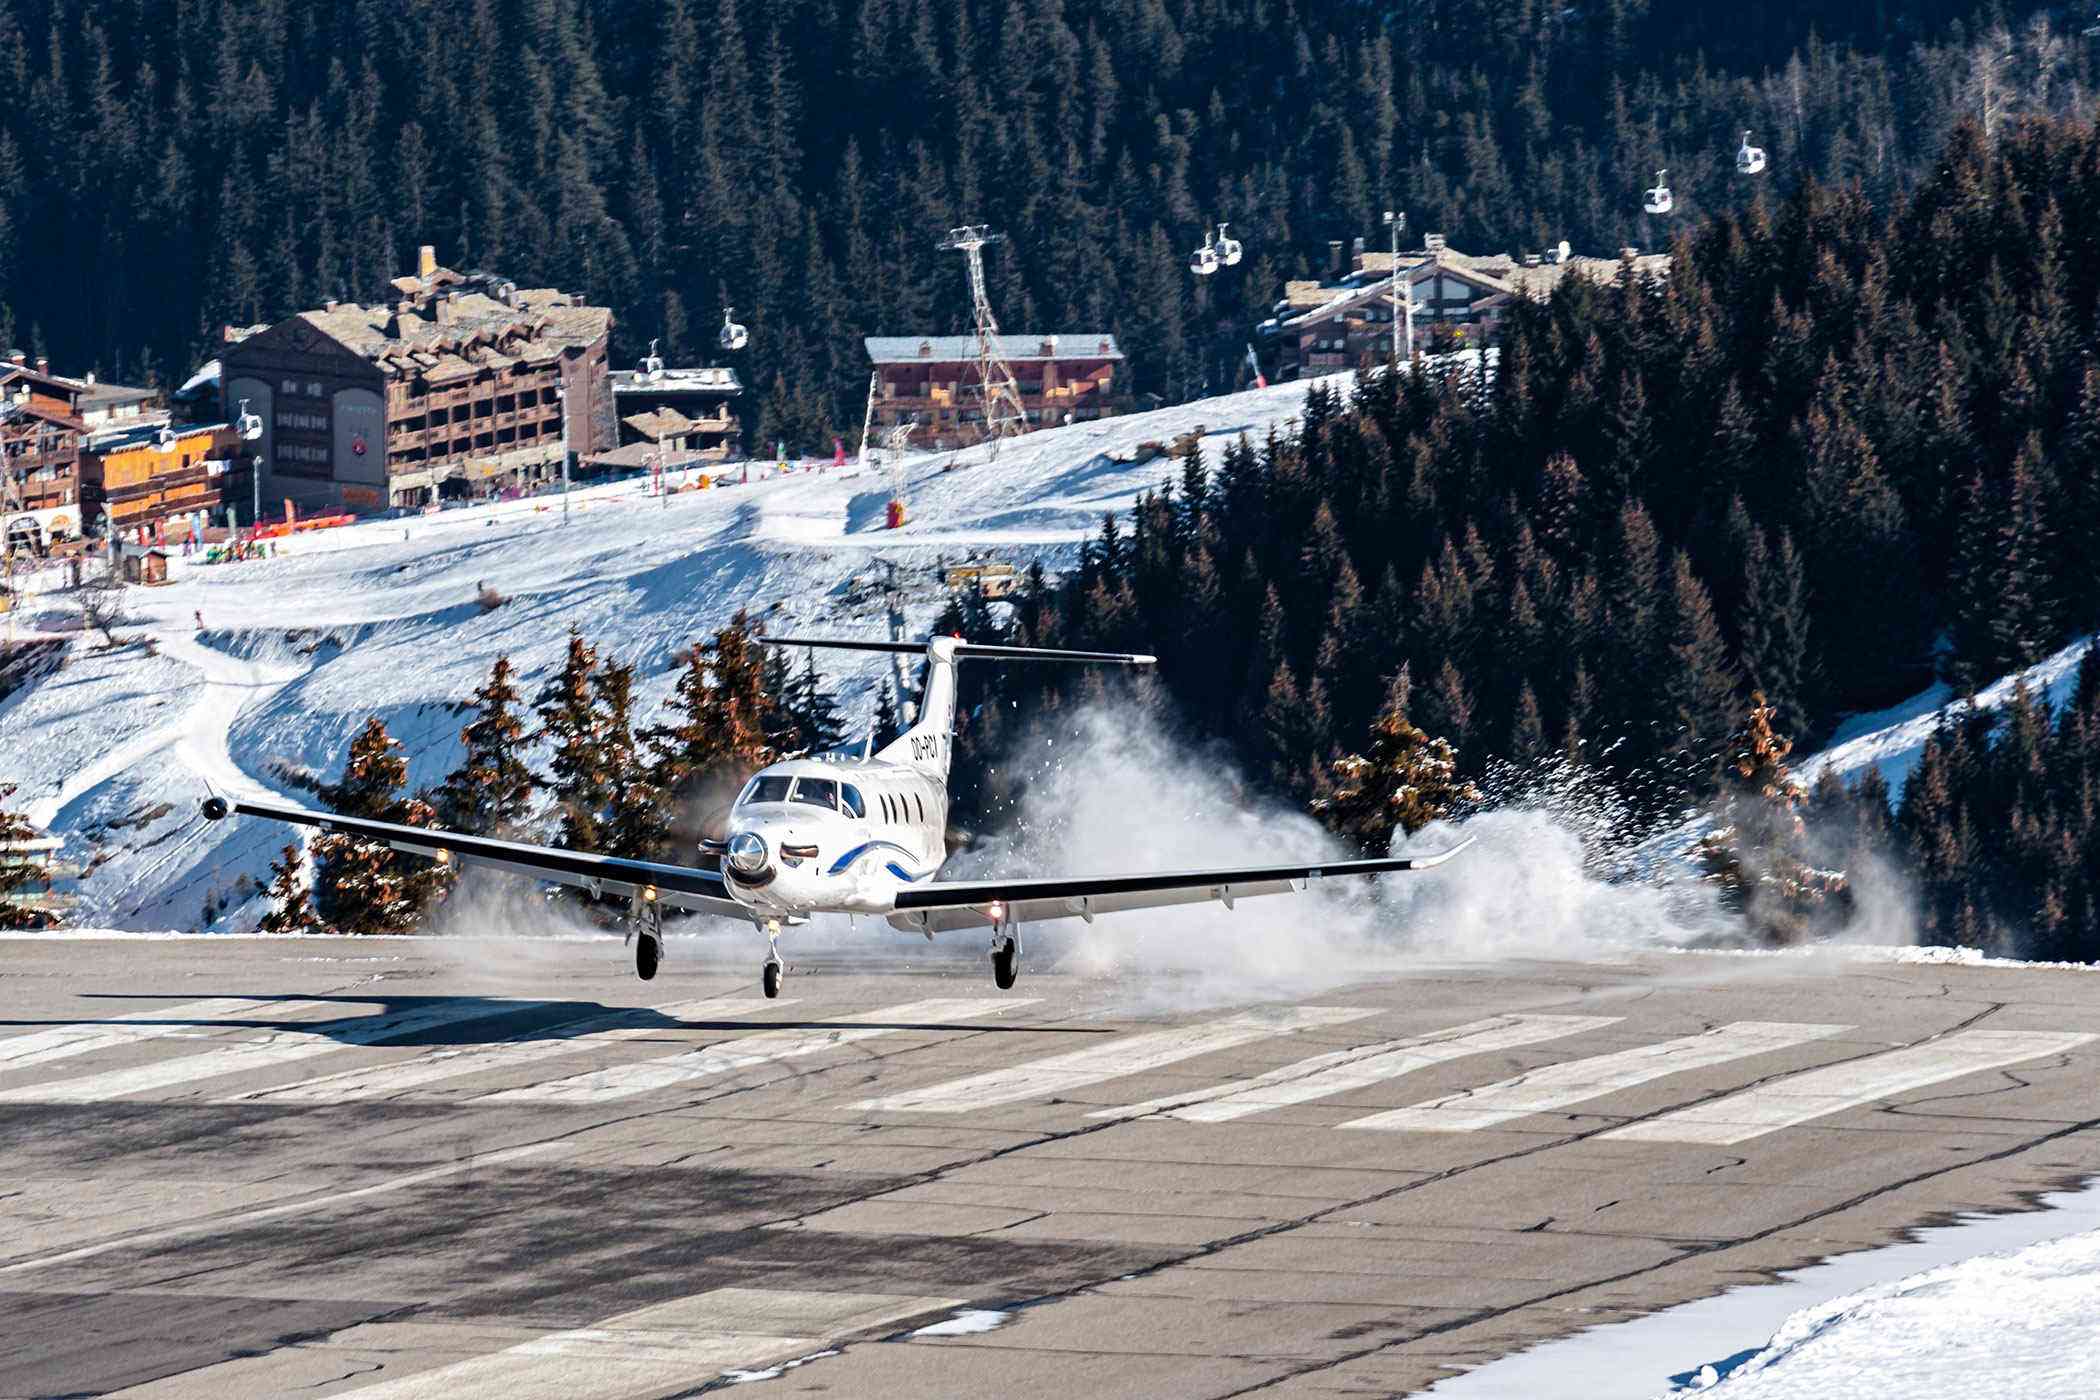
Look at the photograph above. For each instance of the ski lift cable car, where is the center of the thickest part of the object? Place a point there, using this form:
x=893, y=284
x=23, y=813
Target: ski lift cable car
x=249, y=425
x=1229, y=249
x=1204, y=261
x=734, y=336
x=1749, y=159
x=1660, y=200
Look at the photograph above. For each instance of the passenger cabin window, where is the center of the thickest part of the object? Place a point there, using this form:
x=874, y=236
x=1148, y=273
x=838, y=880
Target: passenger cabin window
x=850, y=796
x=922, y=807
x=770, y=788
x=817, y=792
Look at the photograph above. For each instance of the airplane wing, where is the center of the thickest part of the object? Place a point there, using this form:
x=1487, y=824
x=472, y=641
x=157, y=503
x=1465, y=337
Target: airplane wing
x=956, y=904
x=679, y=886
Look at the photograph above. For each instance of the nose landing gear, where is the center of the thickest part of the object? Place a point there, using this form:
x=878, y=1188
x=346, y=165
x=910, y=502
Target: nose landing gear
x=774, y=969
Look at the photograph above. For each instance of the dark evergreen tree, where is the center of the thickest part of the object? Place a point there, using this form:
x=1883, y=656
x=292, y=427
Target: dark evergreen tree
x=363, y=886
x=291, y=902
x=490, y=792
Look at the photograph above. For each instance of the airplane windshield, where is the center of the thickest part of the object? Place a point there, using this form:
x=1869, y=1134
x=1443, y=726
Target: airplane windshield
x=766, y=789
x=850, y=795
x=818, y=792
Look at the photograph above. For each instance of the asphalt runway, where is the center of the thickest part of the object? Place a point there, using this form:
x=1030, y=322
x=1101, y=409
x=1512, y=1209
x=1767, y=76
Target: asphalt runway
x=400, y=1168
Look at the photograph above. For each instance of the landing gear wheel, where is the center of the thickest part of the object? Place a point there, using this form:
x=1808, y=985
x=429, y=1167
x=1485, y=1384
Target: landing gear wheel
x=1006, y=965
x=648, y=956
x=772, y=980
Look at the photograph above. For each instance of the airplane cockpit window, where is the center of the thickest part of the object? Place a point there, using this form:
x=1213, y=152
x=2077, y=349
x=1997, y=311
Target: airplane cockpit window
x=768, y=788
x=818, y=792
x=850, y=795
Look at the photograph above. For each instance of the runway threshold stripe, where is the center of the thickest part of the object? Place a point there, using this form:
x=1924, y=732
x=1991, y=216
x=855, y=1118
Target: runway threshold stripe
x=665, y=1347
x=767, y=1047
x=370, y=1082
x=279, y=1048
x=188, y=1019
x=1345, y=1071
x=1821, y=1092
x=1557, y=1086
x=1134, y=1054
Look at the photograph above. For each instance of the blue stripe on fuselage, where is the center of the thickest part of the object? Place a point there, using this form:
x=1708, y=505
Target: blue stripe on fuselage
x=838, y=867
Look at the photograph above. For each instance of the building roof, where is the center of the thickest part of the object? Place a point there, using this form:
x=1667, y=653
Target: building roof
x=30, y=408
x=96, y=394
x=948, y=349
x=645, y=454
x=660, y=423
x=132, y=436
x=697, y=380
x=452, y=324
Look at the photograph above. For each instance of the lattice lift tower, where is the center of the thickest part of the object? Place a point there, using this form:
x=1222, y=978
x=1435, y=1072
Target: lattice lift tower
x=1003, y=414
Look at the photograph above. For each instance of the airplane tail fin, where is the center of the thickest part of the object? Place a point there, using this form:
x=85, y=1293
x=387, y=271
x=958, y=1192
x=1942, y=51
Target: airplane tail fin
x=927, y=745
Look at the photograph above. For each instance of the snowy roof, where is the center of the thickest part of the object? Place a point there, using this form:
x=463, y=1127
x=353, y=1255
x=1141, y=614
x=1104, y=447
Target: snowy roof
x=947, y=349
x=207, y=373
x=698, y=380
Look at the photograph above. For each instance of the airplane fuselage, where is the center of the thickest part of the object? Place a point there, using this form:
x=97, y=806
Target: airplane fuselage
x=822, y=836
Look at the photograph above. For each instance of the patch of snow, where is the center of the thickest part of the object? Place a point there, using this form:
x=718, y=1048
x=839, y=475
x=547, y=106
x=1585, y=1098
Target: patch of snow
x=1978, y=1324
x=1892, y=739
x=967, y=1322
x=774, y=1373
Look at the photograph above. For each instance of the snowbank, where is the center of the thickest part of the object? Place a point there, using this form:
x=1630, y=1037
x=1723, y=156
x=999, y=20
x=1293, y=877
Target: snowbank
x=2020, y=1324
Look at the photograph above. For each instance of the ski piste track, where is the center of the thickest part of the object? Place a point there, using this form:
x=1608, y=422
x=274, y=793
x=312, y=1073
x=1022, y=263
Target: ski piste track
x=489, y=1168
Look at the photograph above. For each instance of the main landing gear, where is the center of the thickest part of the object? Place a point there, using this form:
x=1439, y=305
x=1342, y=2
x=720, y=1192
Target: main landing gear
x=645, y=929
x=1006, y=956
x=774, y=969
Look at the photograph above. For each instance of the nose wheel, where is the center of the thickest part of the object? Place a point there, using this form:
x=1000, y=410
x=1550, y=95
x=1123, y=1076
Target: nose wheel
x=774, y=969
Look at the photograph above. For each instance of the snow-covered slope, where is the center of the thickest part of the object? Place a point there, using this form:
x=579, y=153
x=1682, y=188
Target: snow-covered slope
x=1891, y=739
x=116, y=750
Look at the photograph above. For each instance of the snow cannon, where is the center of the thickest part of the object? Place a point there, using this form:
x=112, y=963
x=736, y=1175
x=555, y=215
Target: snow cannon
x=215, y=809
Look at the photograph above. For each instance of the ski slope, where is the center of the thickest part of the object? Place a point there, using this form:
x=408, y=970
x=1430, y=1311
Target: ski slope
x=116, y=750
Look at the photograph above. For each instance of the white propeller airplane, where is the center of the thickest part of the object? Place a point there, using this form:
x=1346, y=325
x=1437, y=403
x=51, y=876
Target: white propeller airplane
x=842, y=835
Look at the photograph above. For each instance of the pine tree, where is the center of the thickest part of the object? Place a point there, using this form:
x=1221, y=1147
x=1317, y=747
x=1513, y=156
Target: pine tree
x=571, y=722
x=1404, y=781
x=1699, y=684
x=636, y=825
x=490, y=792
x=1756, y=853
x=886, y=726
x=291, y=906
x=363, y=886
x=16, y=873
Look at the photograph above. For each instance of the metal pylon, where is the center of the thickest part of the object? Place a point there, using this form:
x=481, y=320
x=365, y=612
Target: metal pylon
x=1004, y=415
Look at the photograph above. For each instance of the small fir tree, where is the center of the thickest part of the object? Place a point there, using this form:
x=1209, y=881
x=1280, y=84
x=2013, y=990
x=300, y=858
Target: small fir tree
x=1757, y=852
x=490, y=792
x=1405, y=780
x=16, y=873
x=291, y=902
x=570, y=721
x=365, y=886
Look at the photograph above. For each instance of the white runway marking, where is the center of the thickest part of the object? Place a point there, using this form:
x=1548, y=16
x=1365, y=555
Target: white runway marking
x=653, y=1350
x=1344, y=1071
x=1755, y=1112
x=386, y=1081
x=281, y=1047
x=82, y=1037
x=1130, y=1055
x=626, y=1081
x=1557, y=1086
x=216, y=1223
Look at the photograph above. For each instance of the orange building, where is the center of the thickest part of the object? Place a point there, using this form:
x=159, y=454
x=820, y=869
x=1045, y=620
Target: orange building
x=149, y=475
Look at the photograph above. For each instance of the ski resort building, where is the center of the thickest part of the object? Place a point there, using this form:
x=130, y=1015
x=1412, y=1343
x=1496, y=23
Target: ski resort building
x=932, y=381
x=146, y=477
x=459, y=386
x=684, y=411
x=46, y=421
x=1345, y=321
